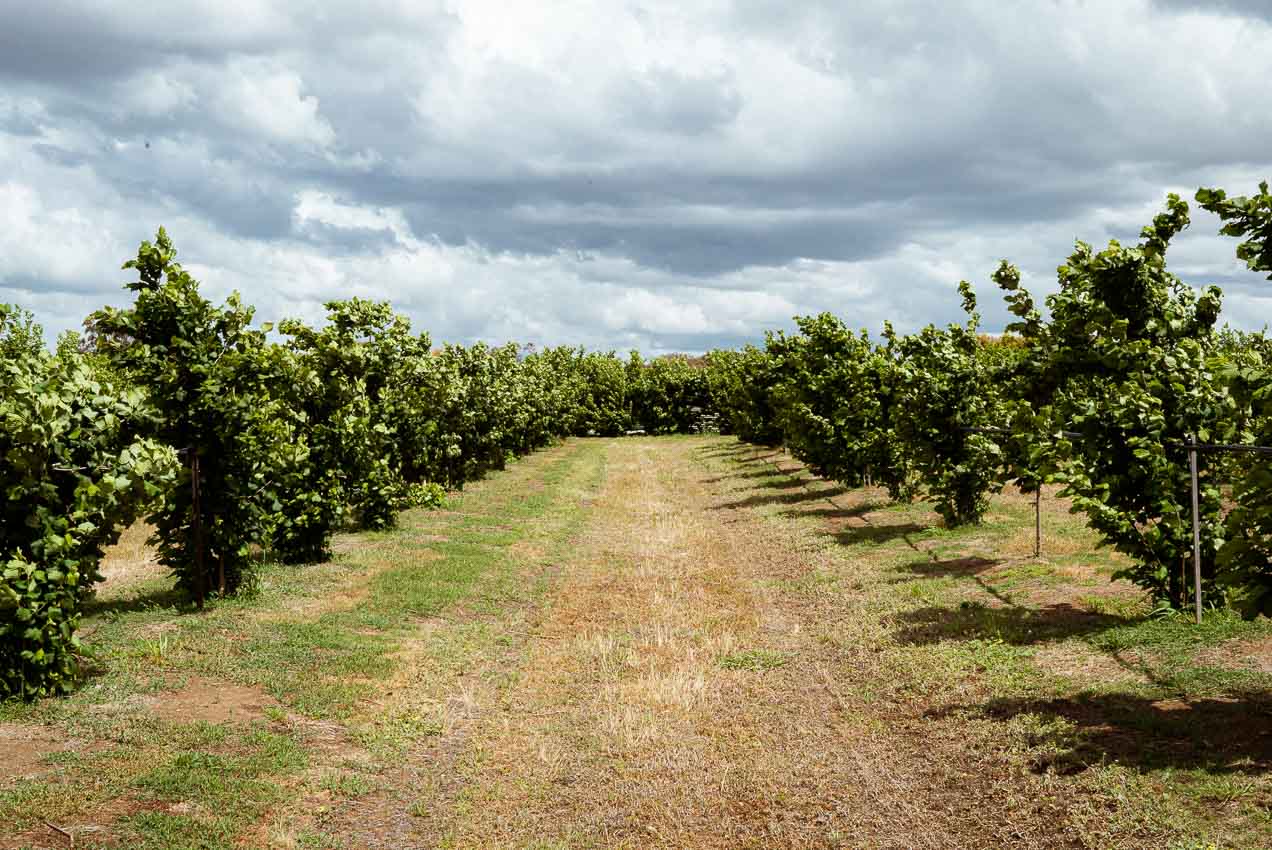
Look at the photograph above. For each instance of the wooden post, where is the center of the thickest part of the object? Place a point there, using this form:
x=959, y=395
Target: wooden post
x=1196, y=523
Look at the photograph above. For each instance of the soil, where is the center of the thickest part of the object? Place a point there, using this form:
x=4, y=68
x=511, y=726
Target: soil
x=24, y=749
x=211, y=701
x=1239, y=655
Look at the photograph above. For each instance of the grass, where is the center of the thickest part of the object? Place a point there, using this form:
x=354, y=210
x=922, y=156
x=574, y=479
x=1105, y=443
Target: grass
x=754, y=660
x=670, y=642
x=1149, y=726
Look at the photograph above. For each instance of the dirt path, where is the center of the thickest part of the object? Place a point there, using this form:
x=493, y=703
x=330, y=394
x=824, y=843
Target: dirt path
x=684, y=688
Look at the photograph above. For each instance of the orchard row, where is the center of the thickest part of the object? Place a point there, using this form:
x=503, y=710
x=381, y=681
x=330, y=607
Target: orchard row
x=238, y=448
x=1101, y=394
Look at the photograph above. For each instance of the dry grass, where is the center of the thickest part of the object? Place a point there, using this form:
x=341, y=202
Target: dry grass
x=702, y=652
x=1239, y=655
x=26, y=748
x=627, y=728
x=1076, y=661
x=130, y=562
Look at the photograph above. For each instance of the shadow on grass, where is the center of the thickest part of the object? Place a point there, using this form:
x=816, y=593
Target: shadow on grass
x=744, y=455
x=874, y=534
x=768, y=472
x=1015, y=625
x=783, y=483
x=799, y=493
x=859, y=510
x=163, y=598
x=952, y=567
x=1221, y=735
x=727, y=450
x=790, y=498
x=969, y=567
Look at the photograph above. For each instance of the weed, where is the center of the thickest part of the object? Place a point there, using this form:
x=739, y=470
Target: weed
x=754, y=660
x=348, y=784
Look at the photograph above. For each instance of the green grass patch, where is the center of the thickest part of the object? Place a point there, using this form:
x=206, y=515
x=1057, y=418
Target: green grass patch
x=754, y=660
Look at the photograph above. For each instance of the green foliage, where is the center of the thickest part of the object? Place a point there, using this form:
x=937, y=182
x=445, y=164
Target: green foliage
x=741, y=385
x=602, y=401
x=1250, y=217
x=1027, y=387
x=896, y=414
x=312, y=496
x=943, y=388
x=474, y=421
x=344, y=388
x=1125, y=361
x=209, y=376
x=667, y=395
x=1245, y=559
x=74, y=470
x=20, y=337
x=835, y=403
x=552, y=387
x=425, y=495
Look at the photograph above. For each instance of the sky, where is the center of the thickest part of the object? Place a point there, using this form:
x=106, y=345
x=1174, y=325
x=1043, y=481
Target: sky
x=670, y=176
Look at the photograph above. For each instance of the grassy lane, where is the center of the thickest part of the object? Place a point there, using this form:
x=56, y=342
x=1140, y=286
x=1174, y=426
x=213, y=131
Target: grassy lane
x=689, y=687
x=660, y=642
x=737, y=655
x=248, y=724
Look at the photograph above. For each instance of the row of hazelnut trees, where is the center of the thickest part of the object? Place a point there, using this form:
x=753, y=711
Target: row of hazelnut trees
x=238, y=448
x=1101, y=394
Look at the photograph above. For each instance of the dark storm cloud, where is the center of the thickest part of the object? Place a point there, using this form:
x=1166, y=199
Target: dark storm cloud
x=676, y=241
x=77, y=43
x=61, y=44
x=846, y=213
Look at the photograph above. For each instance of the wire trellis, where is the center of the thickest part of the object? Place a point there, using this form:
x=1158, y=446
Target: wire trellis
x=1193, y=448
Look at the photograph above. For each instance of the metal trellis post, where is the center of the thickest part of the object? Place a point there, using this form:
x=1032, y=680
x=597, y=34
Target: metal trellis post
x=1196, y=523
x=1038, y=521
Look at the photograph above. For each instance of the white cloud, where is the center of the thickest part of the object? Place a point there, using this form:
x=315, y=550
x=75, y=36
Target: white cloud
x=661, y=174
x=155, y=93
x=269, y=98
x=321, y=208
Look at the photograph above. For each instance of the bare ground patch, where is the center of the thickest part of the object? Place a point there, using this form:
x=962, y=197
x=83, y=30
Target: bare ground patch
x=25, y=748
x=212, y=701
x=199, y=699
x=1253, y=655
x=95, y=827
x=1077, y=661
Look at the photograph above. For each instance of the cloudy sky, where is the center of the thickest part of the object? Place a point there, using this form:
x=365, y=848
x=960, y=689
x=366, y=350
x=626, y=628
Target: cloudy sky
x=668, y=175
